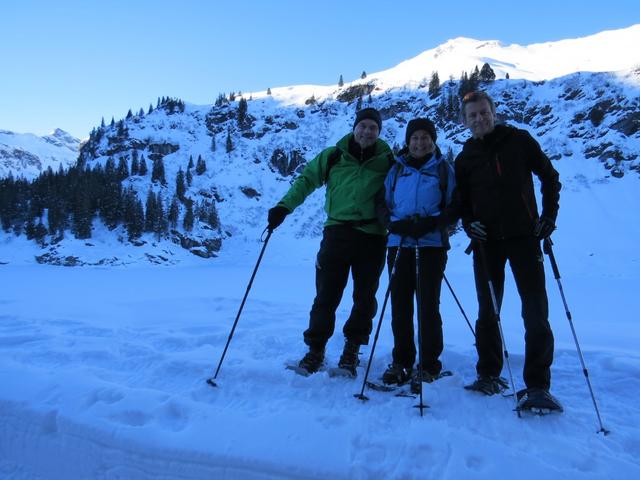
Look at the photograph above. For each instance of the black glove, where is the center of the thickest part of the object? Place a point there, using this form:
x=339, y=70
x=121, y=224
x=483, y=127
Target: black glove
x=276, y=216
x=544, y=227
x=424, y=225
x=404, y=228
x=476, y=231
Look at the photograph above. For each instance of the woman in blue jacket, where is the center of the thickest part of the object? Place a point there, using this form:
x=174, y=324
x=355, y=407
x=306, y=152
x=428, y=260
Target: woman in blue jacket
x=417, y=192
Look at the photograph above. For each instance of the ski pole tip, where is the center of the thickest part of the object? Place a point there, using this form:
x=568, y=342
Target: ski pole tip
x=211, y=382
x=361, y=396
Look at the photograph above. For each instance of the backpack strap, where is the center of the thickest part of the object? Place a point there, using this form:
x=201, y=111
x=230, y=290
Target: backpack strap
x=443, y=175
x=397, y=169
x=334, y=157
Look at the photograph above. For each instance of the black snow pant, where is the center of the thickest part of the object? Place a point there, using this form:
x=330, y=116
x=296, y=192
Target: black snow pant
x=525, y=258
x=432, y=263
x=343, y=249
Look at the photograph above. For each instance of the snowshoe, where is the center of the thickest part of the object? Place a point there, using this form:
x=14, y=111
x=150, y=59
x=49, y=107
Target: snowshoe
x=398, y=390
x=310, y=363
x=342, y=372
x=488, y=385
x=538, y=401
x=396, y=374
x=426, y=377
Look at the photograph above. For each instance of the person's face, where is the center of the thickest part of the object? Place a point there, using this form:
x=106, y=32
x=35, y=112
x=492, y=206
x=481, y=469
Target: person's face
x=479, y=118
x=366, y=133
x=420, y=144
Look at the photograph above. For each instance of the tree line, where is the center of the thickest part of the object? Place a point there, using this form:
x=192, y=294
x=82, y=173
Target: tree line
x=71, y=200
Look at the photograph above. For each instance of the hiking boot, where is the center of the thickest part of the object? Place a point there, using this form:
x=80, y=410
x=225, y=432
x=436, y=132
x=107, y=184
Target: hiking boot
x=420, y=377
x=313, y=360
x=489, y=385
x=396, y=374
x=349, y=358
x=537, y=399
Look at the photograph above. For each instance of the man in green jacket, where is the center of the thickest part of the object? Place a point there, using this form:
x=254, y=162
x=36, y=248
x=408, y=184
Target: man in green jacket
x=353, y=239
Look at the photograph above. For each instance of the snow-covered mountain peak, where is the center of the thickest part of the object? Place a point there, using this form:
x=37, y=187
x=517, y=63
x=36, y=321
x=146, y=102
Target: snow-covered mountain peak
x=27, y=155
x=601, y=52
x=63, y=139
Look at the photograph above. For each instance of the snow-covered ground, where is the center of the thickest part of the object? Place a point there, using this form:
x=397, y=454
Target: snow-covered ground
x=103, y=369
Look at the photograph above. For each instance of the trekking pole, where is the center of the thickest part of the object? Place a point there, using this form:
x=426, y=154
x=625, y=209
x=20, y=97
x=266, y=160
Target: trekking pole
x=496, y=311
x=546, y=245
x=459, y=305
x=361, y=395
x=421, y=405
x=212, y=381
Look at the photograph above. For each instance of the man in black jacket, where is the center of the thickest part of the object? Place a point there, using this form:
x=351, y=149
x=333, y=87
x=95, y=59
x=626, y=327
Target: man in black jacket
x=499, y=212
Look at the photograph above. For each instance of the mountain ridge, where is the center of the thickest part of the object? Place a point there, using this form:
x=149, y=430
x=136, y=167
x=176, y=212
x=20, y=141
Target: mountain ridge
x=253, y=145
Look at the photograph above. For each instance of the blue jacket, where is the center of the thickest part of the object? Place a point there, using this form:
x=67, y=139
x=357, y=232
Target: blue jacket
x=410, y=192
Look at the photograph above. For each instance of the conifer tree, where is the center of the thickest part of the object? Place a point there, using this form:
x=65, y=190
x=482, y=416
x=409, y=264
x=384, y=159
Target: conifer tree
x=201, y=166
x=268, y=91
x=180, y=188
x=110, y=196
x=160, y=226
x=157, y=172
x=135, y=166
x=123, y=169
x=143, y=166
x=212, y=216
x=188, y=221
x=150, y=219
x=81, y=211
x=133, y=214
x=150, y=109
x=363, y=75
x=434, y=85
x=487, y=74
x=474, y=79
x=242, y=112
x=129, y=114
x=189, y=178
x=174, y=212
x=190, y=165
x=40, y=233
x=102, y=123
x=213, y=143
x=229, y=143
x=340, y=81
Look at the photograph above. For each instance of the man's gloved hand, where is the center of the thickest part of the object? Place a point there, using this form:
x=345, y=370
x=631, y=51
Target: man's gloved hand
x=276, y=216
x=544, y=227
x=404, y=228
x=476, y=231
x=424, y=225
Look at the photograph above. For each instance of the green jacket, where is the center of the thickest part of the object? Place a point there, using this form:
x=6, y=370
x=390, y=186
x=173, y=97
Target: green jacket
x=351, y=186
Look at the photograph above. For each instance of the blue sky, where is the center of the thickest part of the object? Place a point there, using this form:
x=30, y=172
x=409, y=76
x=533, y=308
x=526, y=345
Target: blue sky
x=67, y=64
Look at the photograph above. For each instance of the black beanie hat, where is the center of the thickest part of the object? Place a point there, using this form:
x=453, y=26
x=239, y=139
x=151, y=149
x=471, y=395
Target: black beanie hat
x=421, y=124
x=368, y=113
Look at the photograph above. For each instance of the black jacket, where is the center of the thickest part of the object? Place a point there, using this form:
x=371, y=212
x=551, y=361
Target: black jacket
x=495, y=185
